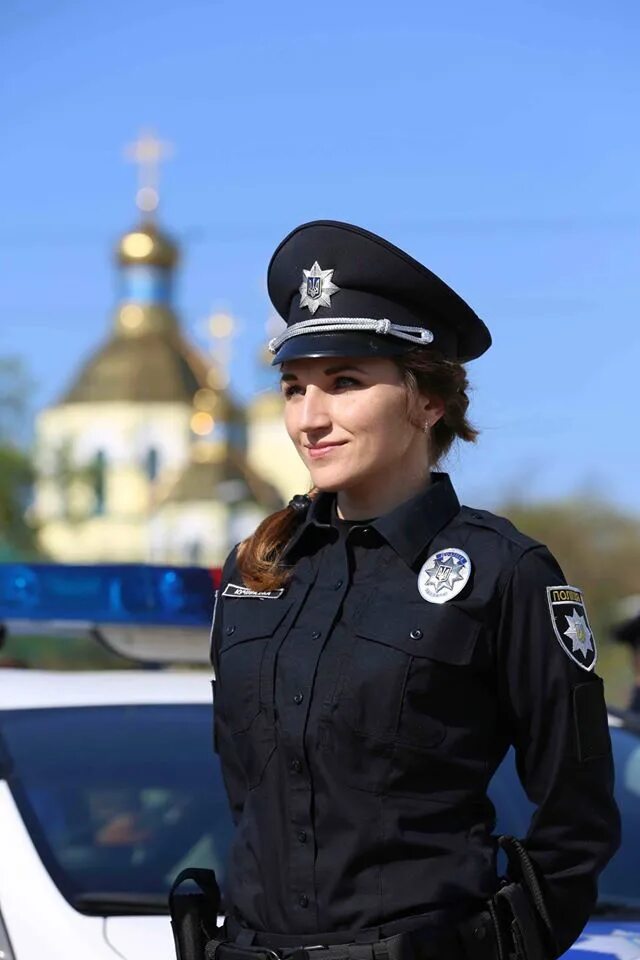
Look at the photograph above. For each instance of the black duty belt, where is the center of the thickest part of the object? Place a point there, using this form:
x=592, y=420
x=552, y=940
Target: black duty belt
x=514, y=925
x=469, y=939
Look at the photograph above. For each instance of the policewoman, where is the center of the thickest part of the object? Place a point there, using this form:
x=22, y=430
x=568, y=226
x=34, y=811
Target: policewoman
x=378, y=647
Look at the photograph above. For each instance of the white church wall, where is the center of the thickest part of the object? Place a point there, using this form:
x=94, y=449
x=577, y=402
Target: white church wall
x=189, y=533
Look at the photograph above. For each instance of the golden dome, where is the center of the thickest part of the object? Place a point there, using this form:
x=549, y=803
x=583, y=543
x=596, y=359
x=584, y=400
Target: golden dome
x=147, y=245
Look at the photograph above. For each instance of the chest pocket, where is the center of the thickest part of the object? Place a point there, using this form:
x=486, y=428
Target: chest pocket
x=247, y=626
x=409, y=671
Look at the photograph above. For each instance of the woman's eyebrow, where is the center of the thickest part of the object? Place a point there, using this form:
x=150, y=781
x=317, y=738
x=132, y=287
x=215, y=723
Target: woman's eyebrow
x=339, y=368
x=343, y=366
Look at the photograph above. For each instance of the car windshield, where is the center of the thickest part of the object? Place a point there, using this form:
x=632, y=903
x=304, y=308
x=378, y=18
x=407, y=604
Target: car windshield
x=619, y=885
x=119, y=799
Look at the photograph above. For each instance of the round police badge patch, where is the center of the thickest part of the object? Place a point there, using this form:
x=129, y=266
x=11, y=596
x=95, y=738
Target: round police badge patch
x=571, y=625
x=444, y=575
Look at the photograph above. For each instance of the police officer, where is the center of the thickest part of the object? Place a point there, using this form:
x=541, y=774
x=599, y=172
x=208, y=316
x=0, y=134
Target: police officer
x=377, y=647
x=627, y=631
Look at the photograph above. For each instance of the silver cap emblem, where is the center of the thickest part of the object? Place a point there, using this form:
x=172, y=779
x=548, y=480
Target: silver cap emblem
x=444, y=575
x=316, y=288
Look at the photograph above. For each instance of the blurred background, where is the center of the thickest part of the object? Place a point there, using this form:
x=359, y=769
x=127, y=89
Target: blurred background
x=154, y=154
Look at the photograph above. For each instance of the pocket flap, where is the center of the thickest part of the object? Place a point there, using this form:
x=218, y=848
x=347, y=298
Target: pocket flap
x=439, y=632
x=248, y=618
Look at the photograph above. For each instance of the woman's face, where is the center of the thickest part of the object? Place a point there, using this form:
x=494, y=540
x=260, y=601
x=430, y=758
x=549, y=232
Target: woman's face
x=350, y=421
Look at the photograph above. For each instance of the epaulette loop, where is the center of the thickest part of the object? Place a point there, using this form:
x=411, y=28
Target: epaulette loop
x=300, y=503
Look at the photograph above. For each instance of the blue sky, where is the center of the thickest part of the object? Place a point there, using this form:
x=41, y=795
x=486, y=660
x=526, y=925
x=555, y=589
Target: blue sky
x=499, y=143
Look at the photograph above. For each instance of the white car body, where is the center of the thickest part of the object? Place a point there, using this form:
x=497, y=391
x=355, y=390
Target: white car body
x=38, y=919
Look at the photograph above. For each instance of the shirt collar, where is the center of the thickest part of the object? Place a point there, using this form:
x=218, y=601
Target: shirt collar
x=407, y=529
x=411, y=526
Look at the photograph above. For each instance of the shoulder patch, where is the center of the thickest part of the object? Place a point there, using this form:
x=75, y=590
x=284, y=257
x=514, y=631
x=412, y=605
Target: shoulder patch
x=571, y=625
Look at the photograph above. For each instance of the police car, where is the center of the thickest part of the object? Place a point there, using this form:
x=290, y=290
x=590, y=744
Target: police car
x=108, y=782
x=109, y=786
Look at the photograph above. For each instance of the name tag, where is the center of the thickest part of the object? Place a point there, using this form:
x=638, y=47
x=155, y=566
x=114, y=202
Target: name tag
x=233, y=590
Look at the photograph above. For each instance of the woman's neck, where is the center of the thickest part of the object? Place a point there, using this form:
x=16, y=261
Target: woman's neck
x=374, y=500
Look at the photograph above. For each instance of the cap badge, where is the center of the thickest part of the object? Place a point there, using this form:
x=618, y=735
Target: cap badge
x=444, y=575
x=316, y=288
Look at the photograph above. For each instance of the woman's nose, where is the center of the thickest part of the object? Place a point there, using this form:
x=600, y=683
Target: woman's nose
x=315, y=411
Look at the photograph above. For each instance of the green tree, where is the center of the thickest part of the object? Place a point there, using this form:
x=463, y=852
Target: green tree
x=17, y=537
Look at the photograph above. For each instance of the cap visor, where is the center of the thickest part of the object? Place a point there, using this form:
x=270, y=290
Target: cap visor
x=340, y=345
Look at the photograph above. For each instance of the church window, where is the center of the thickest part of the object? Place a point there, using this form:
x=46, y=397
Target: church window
x=99, y=467
x=194, y=553
x=152, y=463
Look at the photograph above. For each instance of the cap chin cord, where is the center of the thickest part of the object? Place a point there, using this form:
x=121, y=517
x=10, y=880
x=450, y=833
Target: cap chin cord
x=383, y=327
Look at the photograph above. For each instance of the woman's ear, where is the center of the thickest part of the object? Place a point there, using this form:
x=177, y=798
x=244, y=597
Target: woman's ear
x=433, y=410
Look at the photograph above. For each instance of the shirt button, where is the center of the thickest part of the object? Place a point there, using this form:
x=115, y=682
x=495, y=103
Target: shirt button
x=230, y=630
x=416, y=634
x=299, y=697
x=303, y=900
x=296, y=765
x=302, y=836
x=338, y=584
x=316, y=635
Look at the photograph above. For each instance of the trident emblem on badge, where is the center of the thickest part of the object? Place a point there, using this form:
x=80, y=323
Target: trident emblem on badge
x=316, y=288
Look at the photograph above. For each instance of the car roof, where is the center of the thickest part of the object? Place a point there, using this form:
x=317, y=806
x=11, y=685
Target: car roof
x=31, y=689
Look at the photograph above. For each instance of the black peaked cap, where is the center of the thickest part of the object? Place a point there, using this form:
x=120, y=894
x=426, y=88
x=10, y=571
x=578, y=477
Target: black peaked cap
x=373, y=279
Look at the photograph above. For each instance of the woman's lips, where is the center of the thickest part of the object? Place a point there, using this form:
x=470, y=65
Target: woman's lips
x=322, y=449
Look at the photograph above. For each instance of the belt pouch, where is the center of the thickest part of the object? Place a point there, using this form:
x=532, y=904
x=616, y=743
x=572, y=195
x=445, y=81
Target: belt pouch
x=526, y=940
x=194, y=915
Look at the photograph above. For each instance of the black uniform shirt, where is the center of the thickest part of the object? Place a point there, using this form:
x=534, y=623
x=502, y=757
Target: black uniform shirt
x=358, y=726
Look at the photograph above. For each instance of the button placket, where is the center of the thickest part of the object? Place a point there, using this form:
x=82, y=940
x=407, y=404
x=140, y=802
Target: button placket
x=302, y=661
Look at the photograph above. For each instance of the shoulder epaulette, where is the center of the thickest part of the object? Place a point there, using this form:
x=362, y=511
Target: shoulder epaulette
x=500, y=525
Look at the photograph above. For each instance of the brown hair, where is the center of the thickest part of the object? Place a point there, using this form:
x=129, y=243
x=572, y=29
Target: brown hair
x=259, y=556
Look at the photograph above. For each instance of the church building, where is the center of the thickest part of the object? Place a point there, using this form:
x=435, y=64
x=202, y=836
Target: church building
x=146, y=457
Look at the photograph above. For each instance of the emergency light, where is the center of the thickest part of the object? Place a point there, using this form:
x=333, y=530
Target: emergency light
x=145, y=613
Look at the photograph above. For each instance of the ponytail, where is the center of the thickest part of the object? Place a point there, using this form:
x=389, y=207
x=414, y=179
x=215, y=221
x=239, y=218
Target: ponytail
x=259, y=556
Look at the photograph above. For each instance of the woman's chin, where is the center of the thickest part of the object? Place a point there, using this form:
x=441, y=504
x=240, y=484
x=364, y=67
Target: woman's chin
x=329, y=479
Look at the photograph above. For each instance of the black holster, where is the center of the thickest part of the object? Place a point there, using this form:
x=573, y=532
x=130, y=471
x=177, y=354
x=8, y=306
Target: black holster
x=194, y=915
x=522, y=925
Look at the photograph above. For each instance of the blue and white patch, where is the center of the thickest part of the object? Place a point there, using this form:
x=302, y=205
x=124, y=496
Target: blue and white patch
x=444, y=575
x=233, y=590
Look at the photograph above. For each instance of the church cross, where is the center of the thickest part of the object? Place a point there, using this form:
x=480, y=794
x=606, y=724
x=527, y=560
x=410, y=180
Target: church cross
x=148, y=152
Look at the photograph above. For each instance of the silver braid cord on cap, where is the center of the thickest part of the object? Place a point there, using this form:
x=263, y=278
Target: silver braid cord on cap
x=336, y=324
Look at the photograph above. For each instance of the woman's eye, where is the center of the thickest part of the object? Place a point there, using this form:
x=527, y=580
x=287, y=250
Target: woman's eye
x=340, y=383
x=346, y=382
x=290, y=390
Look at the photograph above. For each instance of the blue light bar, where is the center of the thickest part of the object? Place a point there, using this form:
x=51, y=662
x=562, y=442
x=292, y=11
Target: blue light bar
x=130, y=594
